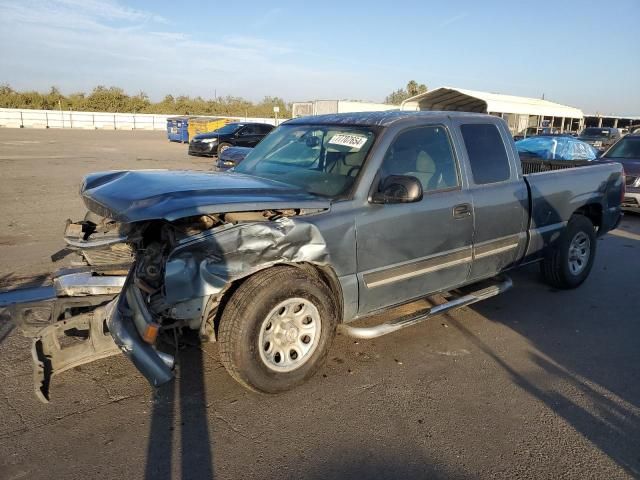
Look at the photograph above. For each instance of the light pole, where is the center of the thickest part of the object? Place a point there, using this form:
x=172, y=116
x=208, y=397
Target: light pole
x=61, y=114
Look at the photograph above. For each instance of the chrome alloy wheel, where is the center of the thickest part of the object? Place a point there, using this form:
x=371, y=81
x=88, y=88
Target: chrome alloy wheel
x=579, y=252
x=289, y=334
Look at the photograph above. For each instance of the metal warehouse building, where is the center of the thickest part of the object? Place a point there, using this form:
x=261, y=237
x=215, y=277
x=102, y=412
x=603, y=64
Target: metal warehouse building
x=615, y=121
x=320, y=107
x=524, y=115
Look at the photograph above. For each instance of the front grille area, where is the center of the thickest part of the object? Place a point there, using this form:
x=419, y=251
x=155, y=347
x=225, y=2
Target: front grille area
x=118, y=254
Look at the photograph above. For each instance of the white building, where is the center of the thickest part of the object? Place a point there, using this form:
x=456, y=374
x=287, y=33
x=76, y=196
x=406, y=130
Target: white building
x=321, y=107
x=523, y=114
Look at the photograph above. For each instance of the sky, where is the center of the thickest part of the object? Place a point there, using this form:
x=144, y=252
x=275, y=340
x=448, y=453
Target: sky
x=581, y=53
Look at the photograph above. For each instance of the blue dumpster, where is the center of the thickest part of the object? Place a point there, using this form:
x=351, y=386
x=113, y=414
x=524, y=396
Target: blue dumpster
x=177, y=129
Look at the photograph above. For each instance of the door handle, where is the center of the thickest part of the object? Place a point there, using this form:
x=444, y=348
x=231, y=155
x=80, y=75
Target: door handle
x=462, y=210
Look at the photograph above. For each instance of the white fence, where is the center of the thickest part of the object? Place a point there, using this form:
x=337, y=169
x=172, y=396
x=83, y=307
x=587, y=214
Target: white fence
x=24, y=118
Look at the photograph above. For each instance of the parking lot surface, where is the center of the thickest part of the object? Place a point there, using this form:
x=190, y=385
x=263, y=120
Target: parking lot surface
x=535, y=383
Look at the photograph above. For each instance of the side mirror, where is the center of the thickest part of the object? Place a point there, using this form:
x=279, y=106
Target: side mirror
x=398, y=189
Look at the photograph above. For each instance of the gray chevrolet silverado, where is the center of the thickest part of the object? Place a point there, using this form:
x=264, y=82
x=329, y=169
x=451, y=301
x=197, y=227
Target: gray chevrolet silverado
x=328, y=220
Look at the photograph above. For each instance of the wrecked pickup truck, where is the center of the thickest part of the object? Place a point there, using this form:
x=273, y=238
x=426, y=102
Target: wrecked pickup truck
x=328, y=220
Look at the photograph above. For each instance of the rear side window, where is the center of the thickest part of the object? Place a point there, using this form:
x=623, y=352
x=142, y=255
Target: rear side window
x=487, y=155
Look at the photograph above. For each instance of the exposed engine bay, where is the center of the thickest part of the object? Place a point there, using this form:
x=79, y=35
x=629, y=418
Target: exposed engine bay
x=107, y=244
x=166, y=276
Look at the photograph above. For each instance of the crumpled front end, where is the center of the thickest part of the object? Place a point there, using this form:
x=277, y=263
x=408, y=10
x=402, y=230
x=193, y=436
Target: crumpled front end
x=181, y=285
x=135, y=330
x=206, y=265
x=178, y=275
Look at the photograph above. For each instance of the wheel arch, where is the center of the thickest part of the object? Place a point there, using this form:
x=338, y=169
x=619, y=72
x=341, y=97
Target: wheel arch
x=216, y=304
x=593, y=211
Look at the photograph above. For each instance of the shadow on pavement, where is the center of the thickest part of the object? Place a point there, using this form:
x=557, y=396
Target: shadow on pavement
x=181, y=405
x=585, y=343
x=355, y=464
x=15, y=289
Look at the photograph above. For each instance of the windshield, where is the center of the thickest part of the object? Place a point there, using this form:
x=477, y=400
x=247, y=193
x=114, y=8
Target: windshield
x=229, y=128
x=595, y=132
x=320, y=159
x=628, y=147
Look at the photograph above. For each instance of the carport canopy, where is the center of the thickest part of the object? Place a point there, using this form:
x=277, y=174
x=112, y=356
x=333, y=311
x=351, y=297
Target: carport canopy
x=458, y=99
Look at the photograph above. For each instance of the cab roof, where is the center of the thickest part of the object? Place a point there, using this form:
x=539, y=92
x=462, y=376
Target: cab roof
x=380, y=119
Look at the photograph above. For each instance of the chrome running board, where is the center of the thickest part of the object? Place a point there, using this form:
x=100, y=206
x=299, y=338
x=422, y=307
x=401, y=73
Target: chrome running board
x=501, y=284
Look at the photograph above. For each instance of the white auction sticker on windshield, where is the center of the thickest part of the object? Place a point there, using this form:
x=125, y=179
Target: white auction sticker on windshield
x=348, y=140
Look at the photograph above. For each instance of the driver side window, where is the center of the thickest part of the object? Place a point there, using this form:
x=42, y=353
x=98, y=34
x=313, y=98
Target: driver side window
x=426, y=154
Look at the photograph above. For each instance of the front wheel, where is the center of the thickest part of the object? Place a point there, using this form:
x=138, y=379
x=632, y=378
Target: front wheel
x=570, y=261
x=222, y=147
x=276, y=329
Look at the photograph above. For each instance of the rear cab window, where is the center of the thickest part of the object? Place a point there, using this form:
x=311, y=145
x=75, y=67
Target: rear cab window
x=487, y=153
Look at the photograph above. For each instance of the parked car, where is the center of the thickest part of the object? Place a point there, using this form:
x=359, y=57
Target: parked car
x=627, y=152
x=600, y=137
x=330, y=219
x=556, y=147
x=231, y=157
x=239, y=134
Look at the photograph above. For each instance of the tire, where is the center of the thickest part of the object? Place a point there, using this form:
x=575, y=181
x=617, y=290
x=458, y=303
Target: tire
x=265, y=342
x=222, y=147
x=570, y=261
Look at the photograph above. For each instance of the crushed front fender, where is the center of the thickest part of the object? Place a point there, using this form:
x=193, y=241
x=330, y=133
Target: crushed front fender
x=206, y=264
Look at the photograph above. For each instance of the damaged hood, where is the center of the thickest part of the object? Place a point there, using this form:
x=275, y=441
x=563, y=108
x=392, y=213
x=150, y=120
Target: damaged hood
x=138, y=195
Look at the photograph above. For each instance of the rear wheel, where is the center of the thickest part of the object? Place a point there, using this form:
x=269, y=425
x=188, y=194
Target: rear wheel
x=570, y=261
x=276, y=329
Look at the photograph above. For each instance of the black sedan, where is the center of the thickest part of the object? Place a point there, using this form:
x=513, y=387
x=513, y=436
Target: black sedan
x=240, y=134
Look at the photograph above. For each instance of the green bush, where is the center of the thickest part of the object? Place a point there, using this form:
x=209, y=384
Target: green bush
x=114, y=99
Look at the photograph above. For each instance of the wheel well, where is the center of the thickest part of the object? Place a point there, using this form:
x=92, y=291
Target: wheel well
x=593, y=211
x=325, y=274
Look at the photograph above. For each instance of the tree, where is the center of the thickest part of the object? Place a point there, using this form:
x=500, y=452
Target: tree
x=115, y=99
x=398, y=96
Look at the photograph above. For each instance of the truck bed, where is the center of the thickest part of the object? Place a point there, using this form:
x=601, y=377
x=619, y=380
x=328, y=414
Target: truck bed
x=555, y=195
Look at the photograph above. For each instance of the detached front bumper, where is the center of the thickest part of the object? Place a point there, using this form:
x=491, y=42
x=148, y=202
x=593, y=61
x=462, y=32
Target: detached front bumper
x=127, y=323
x=104, y=327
